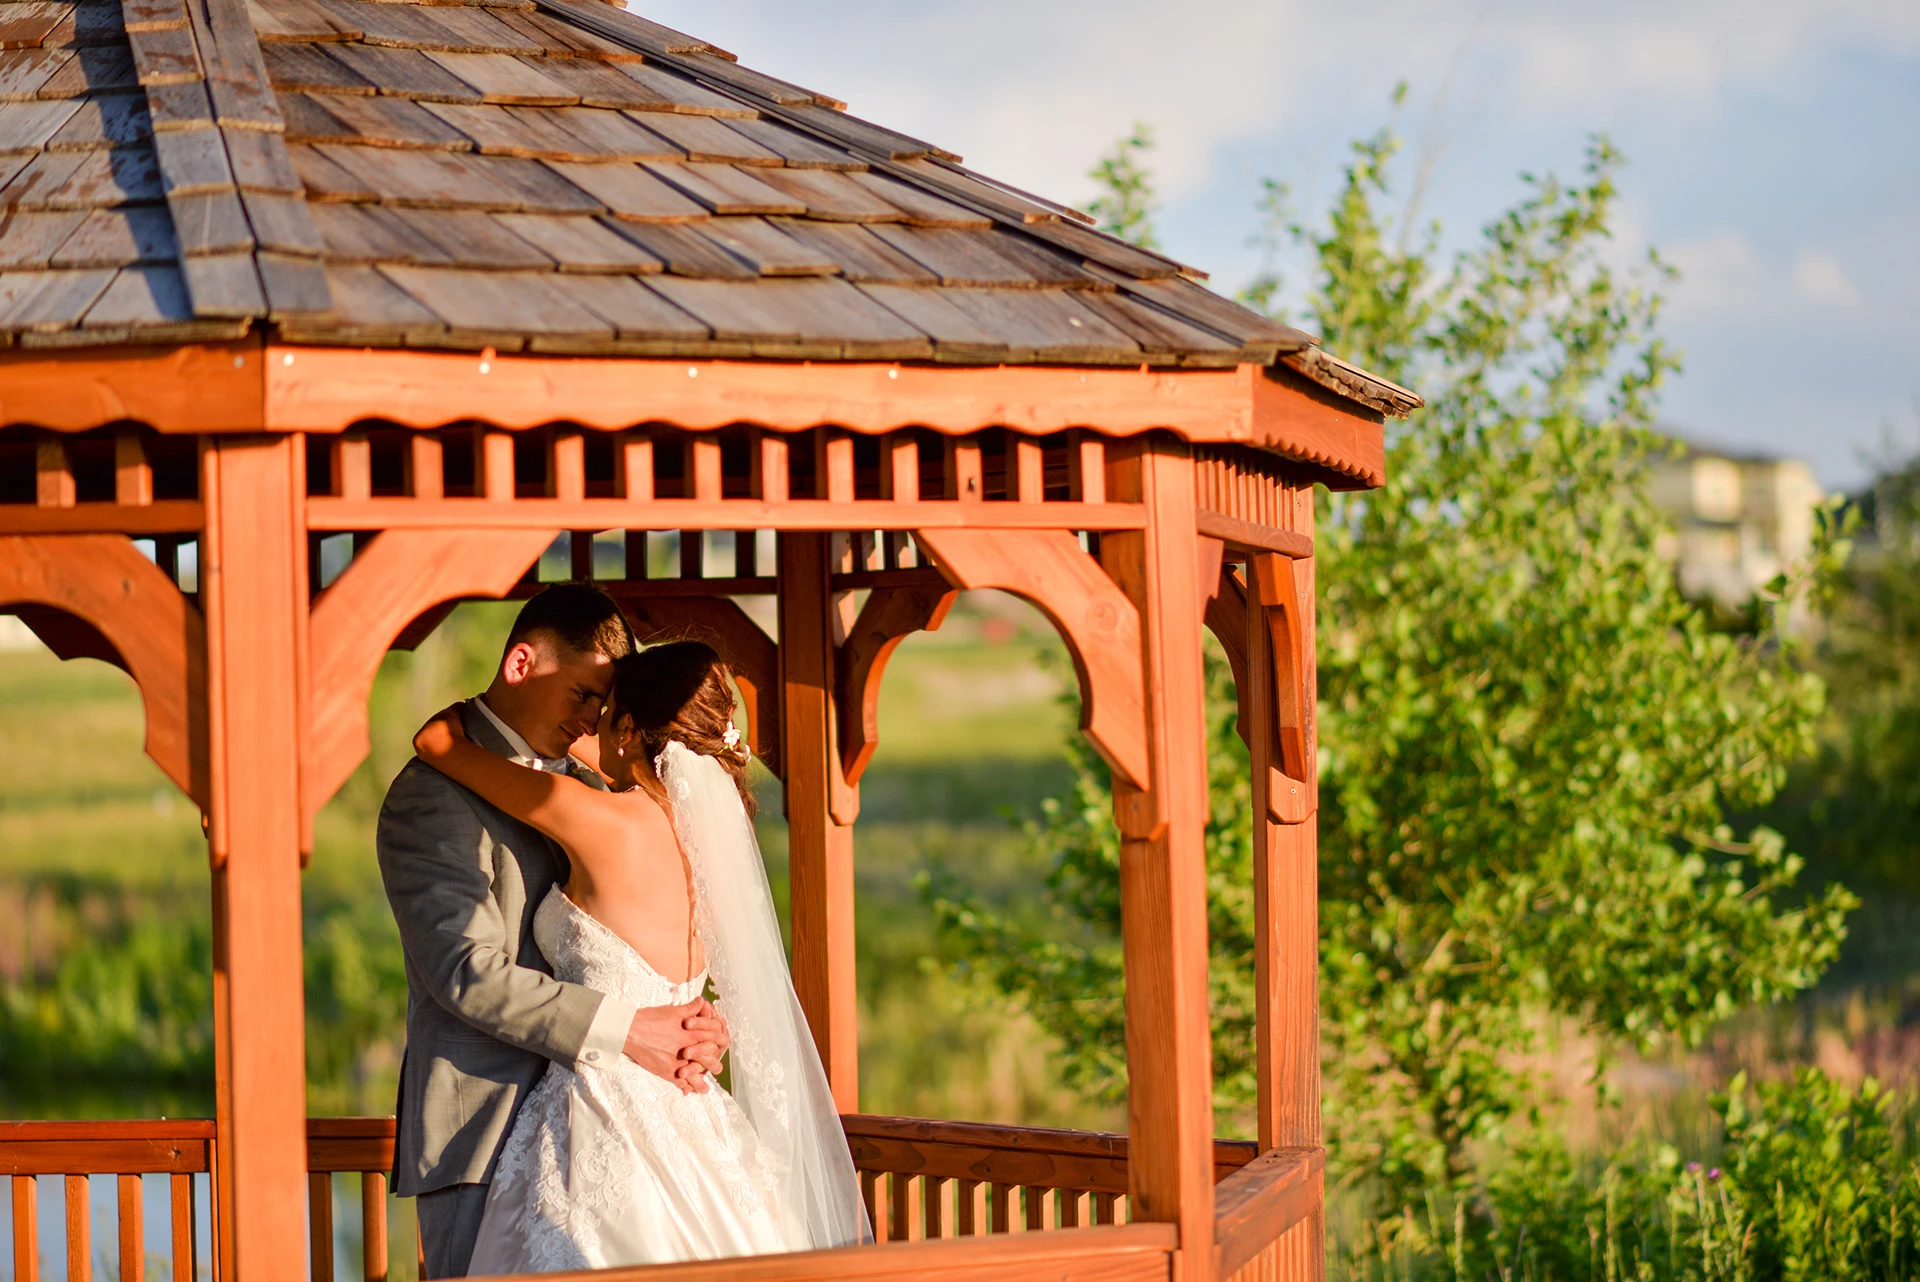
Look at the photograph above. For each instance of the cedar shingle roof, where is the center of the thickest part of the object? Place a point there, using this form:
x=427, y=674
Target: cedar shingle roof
x=554, y=175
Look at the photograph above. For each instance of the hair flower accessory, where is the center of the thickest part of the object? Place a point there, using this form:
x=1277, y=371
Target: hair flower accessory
x=732, y=738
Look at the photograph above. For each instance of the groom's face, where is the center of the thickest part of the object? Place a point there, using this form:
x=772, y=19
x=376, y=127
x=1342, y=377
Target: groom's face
x=557, y=695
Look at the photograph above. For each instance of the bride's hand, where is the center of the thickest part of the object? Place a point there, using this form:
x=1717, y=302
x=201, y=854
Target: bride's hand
x=442, y=731
x=707, y=1052
x=664, y=1041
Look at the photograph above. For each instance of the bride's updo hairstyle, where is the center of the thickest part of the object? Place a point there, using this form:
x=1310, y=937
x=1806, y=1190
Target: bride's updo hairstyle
x=679, y=691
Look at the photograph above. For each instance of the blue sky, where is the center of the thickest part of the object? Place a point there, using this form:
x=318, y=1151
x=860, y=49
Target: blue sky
x=1773, y=147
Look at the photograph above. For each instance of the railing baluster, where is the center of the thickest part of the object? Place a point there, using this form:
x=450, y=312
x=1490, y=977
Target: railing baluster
x=567, y=466
x=965, y=479
x=1104, y=1208
x=26, y=1229
x=581, y=561
x=703, y=467
x=132, y=474
x=900, y=1206
x=1073, y=1208
x=353, y=467
x=426, y=466
x=933, y=1206
x=968, y=1216
x=320, y=1221
x=900, y=477
x=868, y=1179
x=1087, y=467
x=746, y=554
x=133, y=1253
x=185, y=1267
x=79, y=1231
x=772, y=476
x=999, y=1208
x=373, y=1224
x=693, y=554
x=495, y=466
x=1037, y=1199
x=836, y=466
x=53, y=474
x=1027, y=470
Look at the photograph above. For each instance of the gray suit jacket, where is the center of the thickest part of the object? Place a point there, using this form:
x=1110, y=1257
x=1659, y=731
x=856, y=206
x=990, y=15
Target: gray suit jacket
x=484, y=1013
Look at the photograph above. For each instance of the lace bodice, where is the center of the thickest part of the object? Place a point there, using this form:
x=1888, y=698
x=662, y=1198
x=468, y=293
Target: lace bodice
x=582, y=950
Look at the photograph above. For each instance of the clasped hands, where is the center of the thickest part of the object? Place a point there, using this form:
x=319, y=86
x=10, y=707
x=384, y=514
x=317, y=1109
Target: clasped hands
x=684, y=1044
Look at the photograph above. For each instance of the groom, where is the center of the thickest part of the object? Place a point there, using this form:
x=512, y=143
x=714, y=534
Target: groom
x=484, y=1013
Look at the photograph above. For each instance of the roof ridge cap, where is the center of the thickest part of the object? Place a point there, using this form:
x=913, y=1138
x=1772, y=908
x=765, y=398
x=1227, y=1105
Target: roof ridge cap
x=246, y=245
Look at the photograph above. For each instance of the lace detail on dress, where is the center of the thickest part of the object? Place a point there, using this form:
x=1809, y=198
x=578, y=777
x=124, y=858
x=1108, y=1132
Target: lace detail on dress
x=610, y=1165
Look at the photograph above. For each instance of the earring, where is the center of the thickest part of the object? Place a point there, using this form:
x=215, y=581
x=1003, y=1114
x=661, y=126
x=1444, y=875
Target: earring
x=619, y=752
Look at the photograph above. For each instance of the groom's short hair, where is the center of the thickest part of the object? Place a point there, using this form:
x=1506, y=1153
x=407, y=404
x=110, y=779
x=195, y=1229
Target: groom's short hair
x=577, y=618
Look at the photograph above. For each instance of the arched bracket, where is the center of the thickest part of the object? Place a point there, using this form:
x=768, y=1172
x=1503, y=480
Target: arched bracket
x=397, y=578
x=888, y=618
x=115, y=595
x=748, y=650
x=1282, y=591
x=1096, y=619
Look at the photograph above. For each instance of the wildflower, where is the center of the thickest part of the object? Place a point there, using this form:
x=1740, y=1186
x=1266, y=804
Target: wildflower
x=1693, y=1168
x=1713, y=1176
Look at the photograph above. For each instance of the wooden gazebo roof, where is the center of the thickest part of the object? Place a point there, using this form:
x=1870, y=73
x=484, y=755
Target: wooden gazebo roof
x=536, y=175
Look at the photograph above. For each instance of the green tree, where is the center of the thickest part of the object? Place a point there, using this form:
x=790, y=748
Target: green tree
x=1529, y=741
x=1125, y=206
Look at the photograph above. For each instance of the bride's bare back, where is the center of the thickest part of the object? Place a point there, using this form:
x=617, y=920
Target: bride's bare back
x=629, y=872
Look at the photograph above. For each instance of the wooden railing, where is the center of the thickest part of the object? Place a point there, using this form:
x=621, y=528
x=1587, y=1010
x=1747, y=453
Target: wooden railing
x=924, y=1181
x=128, y=1150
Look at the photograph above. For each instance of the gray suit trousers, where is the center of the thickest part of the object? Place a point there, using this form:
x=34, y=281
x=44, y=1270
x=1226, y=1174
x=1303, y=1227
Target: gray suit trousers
x=449, y=1224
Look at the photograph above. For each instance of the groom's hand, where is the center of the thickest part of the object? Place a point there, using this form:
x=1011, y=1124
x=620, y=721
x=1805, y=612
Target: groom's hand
x=660, y=1038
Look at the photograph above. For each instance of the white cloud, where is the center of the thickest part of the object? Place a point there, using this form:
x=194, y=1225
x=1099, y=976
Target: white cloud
x=1033, y=90
x=1819, y=278
x=1719, y=273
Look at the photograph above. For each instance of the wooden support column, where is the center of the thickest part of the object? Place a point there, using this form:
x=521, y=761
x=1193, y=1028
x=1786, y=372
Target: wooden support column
x=1286, y=903
x=253, y=579
x=820, y=813
x=1163, y=908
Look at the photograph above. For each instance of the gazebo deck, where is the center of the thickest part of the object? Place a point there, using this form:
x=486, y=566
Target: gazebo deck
x=948, y=1199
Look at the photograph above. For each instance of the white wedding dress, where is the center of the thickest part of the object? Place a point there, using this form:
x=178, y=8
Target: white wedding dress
x=610, y=1165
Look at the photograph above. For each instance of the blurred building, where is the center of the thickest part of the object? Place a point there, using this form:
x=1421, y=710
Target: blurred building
x=1739, y=519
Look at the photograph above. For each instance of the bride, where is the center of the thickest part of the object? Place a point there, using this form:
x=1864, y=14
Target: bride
x=612, y=1165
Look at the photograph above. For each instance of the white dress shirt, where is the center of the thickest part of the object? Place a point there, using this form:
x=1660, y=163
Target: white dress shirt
x=607, y=1036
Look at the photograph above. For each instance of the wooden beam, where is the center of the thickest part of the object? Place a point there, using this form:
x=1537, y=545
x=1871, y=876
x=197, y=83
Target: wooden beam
x=325, y=513
x=1258, y=1204
x=746, y=647
x=401, y=575
x=1099, y=624
x=820, y=848
x=195, y=387
x=253, y=568
x=156, y=633
x=890, y=616
x=1163, y=878
x=169, y=516
x=1283, y=590
x=1248, y=536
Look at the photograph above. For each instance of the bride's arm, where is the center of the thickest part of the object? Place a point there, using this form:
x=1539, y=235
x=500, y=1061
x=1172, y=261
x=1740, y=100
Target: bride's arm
x=562, y=807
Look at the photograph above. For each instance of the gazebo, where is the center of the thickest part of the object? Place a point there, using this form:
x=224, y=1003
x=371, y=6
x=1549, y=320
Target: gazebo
x=438, y=284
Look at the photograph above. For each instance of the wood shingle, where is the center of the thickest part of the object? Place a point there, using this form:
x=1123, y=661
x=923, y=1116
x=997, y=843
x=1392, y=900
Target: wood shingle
x=560, y=175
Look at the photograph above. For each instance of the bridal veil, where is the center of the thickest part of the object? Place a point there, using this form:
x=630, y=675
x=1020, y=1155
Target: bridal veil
x=777, y=1077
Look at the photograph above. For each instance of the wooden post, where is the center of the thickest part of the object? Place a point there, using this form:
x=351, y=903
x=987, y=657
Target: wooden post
x=1163, y=907
x=1286, y=903
x=820, y=848
x=253, y=580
